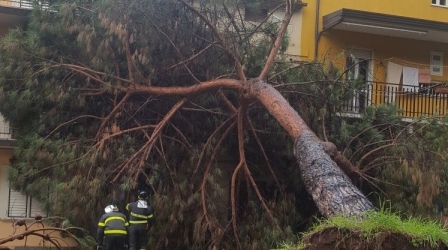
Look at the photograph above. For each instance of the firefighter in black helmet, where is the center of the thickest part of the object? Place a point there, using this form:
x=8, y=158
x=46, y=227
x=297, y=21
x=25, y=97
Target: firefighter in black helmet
x=139, y=214
x=112, y=229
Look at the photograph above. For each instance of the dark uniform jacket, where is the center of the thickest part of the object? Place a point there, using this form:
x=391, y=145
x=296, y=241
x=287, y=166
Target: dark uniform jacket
x=139, y=212
x=113, y=223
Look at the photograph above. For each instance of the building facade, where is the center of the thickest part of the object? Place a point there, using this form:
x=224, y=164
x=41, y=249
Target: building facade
x=15, y=206
x=398, y=48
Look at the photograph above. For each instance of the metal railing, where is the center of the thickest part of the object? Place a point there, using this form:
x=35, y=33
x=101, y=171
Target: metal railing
x=413, y=101
x=23, y=4
x=5, y=129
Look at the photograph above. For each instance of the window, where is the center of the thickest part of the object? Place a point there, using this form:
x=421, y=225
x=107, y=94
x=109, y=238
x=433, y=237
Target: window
x=255, y=14
x=5, y=130
x=436, y=63
x=358, y=63
x=23, y=206
x=440, y=2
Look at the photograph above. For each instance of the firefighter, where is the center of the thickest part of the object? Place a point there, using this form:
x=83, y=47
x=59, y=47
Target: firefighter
x=112, y=229
x=139, y=213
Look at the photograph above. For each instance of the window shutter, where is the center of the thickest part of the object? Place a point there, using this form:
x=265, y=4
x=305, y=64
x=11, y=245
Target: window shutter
x=17, y=206
x=436, y=63
x=36, y=208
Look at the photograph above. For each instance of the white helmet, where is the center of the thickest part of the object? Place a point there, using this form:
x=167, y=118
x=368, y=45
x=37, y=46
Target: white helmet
x=111, y=208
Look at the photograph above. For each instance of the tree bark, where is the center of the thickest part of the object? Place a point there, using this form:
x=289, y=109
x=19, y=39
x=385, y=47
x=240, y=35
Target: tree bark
x=331, y=189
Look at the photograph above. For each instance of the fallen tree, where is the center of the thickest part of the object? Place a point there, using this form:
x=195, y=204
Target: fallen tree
x=92, y=111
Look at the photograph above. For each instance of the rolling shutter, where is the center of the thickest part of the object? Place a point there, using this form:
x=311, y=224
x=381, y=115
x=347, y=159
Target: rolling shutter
x=17, y=206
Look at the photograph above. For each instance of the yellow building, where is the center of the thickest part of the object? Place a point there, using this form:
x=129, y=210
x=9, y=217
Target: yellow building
x=399, y=48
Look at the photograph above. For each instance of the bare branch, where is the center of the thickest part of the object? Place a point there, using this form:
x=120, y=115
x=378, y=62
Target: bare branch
x=183, y=62
x=277, y=43
x=210, y=138
x=45, y=233
x=263, y=152
x=69, y=122
x=239, y=67
x=242, y=164
x=227, y=101
x=207, y=171
x=188, y=90
x=178, y=52
x=145, y=149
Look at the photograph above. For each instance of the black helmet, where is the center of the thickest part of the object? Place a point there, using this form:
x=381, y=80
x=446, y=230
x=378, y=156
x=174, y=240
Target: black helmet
x=142, y=195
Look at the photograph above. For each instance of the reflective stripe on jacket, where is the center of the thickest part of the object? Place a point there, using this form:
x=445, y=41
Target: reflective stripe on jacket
x=113, y=223
x=139, y=212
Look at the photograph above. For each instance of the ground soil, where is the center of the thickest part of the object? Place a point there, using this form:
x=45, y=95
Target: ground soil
x=337, y=239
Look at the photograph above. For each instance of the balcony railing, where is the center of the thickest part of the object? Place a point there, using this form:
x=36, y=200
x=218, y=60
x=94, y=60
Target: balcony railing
x=412, y=101
x=5, y=129
x=23, y=4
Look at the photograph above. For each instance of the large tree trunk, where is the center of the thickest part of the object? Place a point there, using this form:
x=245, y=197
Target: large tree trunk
x=331, y=189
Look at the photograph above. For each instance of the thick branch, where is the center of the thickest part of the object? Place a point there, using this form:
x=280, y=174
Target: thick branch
x=342, y=161
x=139, y=89
x=277, y=43
x=331, y=189
x=112, y=113
x=186, y=91
x=242, y=164
x=278, y=107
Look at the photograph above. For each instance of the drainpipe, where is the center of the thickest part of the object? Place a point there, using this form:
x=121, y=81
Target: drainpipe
x=316, y=30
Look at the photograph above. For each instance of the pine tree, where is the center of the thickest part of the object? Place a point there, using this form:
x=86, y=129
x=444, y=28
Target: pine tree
x=177, y=96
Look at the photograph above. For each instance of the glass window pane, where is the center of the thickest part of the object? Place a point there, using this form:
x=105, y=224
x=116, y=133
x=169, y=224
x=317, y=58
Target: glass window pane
x=36, y=209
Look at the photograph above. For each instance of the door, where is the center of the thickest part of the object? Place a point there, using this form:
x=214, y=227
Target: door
x=359, y=64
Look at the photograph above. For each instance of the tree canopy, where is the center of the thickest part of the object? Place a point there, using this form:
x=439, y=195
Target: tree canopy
x=181, y=98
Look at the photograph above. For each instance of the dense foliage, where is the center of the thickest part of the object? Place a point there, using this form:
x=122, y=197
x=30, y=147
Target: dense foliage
x=87, y=134
x=89, y=143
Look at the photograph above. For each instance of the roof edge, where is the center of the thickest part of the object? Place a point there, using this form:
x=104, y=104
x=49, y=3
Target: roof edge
x=379, y=19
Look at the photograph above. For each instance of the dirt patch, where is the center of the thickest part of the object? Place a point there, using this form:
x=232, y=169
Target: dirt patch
x=337, y=239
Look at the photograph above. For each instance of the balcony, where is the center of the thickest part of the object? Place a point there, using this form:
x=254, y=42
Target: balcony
x=5, y=129
x=386, y=25
x=412, y=101
x=14, y=13
x=21, y=4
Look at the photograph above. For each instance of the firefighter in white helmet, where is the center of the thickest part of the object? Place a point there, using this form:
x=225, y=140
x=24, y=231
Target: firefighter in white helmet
x=112, y=229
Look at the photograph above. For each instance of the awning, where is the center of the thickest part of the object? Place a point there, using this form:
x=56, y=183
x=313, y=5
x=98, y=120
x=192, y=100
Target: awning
x=387, y=25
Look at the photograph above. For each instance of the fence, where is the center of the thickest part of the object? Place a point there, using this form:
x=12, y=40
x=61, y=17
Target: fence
x=412, y=101
x=23, y=4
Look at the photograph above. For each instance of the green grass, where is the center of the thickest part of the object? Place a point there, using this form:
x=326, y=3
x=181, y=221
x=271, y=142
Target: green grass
x=376, y=223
